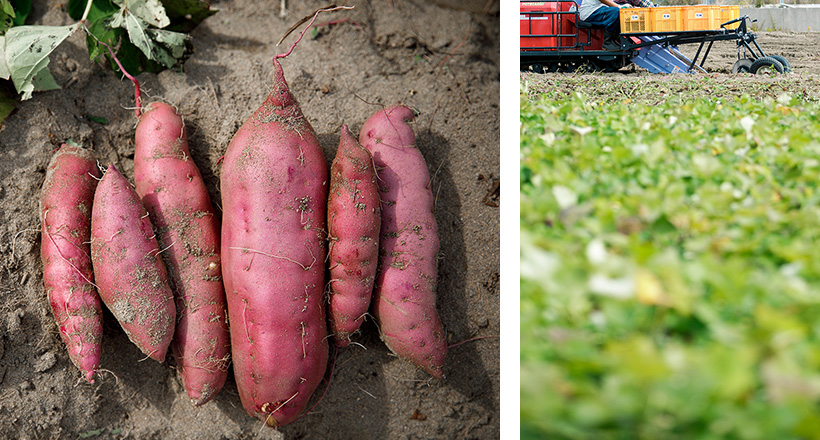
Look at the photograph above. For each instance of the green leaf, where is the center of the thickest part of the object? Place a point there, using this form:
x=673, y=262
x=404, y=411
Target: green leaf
x=137, y=34
x=99, y=9
x=185, y=15
x=7, y=8
x=27, y=51
x=22, y=8
x=7, y=105
x=165, y=47
x=75, y=8
x=6, y=16
x=170, y=46
x=118, y=19
x=73, y=143
x=4, y=68
x=43, y=81
x=98, y=31
x=149, y=11
x=98, y=119
x=133, y=60
x=92, y=433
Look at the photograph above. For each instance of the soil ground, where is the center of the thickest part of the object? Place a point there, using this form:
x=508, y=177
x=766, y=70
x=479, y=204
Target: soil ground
x=442, y=61
x=802, y=50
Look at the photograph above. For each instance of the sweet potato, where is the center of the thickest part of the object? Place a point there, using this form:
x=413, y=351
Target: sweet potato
x=274, y=192
x=174, y=194
x=65, y=212
x=404, y=296
x=129, y=272
x=353, y=221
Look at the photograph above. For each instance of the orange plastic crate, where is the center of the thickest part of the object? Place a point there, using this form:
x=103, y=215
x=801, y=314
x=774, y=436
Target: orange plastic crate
x=666, y=19
x=701, y=18
x=728, y=13
x=635, y=20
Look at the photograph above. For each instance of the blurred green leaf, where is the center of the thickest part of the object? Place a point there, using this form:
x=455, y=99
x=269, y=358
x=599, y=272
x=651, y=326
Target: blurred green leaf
x=98, y=119
x=712, y=225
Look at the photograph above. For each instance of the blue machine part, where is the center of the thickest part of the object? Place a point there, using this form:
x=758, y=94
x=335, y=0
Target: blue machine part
x=656, y=59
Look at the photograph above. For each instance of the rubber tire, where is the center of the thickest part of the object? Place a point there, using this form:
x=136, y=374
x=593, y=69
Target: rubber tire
x=762, y=63
x=787, y=68
x=742, y=66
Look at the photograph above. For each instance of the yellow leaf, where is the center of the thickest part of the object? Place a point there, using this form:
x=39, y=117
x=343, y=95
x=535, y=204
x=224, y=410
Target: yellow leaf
x=648, y=288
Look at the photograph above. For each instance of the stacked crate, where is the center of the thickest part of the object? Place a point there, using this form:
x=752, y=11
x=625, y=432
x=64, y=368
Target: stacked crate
x=677, y=18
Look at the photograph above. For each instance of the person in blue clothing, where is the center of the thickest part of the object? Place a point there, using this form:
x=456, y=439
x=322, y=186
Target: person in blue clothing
x=603, y=13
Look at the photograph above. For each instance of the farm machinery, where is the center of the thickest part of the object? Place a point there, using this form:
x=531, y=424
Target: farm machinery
x=554, y=39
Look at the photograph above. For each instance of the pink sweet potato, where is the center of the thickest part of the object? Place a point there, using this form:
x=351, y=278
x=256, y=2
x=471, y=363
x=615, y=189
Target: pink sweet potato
x=274, y=192
x=404, y=297
x=129, y=272
x=353, y=221
x=174, y=194
x=65, y=212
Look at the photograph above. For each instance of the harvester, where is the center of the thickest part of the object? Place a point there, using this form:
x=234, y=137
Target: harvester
x=554, y=39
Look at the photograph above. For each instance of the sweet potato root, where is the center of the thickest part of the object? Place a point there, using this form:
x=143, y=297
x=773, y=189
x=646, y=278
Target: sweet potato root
x=353, y=219
x=404, y=297
x=129, y=272
x=274, y=192
x=65, y=212
x=174, y=194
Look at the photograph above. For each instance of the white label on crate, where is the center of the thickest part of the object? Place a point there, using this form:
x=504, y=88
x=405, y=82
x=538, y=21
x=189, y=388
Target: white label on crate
x=667, y=16
x=698, y=14
x=634, y=17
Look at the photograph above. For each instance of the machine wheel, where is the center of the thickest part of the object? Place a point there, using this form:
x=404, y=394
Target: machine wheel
x=786, y=66
x=766, y=66
x=537, y=68
x=742, y=66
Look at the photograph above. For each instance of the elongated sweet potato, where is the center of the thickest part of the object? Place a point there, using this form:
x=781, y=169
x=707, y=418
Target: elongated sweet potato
x=174, y=194
x=129, y=272
x=353, y=221
x=274, y=192
x=65, y=212
x=404, y=296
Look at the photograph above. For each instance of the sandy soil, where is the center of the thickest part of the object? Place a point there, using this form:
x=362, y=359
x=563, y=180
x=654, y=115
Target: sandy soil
x=443, y=62
x=801, y=49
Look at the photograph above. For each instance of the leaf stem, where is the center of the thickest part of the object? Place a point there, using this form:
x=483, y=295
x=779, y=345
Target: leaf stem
x=87, y=10
x=315, y=14
x=137, y=96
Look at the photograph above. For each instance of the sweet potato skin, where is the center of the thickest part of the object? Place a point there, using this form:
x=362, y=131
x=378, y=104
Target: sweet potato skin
x=353, y=219
x=173, y=192
x=129, y=272
x=65, y=214
x=274, y=193
x=404, y=297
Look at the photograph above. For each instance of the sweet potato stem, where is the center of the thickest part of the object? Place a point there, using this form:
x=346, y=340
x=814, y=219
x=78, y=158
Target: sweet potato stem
x=315, y=14
x=137, y=97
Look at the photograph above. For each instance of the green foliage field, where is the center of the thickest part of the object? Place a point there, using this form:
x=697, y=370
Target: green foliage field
x=670, y=267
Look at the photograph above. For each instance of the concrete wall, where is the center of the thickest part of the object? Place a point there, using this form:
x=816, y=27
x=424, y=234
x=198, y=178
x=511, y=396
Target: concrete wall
x=797, y=18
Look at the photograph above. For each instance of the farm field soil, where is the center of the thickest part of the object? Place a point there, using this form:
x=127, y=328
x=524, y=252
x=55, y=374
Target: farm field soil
x=444, y=62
